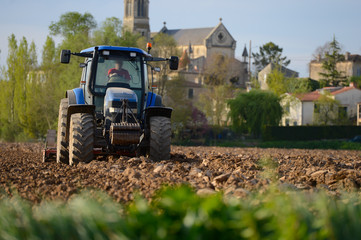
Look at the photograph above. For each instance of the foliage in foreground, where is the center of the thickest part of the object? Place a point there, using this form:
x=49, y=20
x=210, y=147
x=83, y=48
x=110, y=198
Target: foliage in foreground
x=181, y=214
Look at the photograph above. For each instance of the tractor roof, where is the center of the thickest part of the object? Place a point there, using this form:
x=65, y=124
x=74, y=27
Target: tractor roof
x=124, y=49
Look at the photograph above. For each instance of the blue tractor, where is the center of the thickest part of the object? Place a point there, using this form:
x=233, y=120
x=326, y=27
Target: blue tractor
x=114, y=111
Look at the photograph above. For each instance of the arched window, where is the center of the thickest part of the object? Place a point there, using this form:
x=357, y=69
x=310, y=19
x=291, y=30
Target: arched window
x=141, y=8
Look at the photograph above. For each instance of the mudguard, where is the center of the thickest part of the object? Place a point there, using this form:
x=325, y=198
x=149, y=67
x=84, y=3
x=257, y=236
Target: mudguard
x=157, y=111
x=77, y=108
x=154, y=100
x=75, y=96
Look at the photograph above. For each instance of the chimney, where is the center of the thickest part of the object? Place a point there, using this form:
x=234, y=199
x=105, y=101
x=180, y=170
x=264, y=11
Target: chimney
x=319, y=58
x=347, y=56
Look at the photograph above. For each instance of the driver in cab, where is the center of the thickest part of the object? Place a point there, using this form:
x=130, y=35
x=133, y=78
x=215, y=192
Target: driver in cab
x=118, y=74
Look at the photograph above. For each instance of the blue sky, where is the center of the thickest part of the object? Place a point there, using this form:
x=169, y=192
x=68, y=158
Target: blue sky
x=298, y=26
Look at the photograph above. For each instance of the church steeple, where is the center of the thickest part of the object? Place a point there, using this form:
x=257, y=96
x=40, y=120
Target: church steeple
x=136, y=17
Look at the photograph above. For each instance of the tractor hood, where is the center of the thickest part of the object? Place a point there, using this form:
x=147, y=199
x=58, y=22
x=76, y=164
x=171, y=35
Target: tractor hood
x=114, y=98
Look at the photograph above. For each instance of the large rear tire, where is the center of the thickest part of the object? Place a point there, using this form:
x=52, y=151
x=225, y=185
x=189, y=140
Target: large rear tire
x=81, y=138
x=62, y=154
x=160, y=138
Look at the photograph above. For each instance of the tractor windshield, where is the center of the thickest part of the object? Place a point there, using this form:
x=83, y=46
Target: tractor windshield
x=121, y=70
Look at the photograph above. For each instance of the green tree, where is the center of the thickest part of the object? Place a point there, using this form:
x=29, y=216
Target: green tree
x=176, y=98
x=112, y=33
x=109, y=32
x=164, y=46
x=326, y=110
x=279, y=84
x=130, y=39
x=269, y=53
x=51, y=84
x=73, y=23
x=213, y=102
x=17, y=90
x=331, y=76
x=356, y=81
x=75, y=29
x=253, y=110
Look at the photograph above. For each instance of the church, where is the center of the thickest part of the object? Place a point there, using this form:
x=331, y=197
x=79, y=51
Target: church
x=199, y=44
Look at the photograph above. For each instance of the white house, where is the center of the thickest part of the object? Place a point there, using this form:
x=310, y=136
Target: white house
x=300, y=108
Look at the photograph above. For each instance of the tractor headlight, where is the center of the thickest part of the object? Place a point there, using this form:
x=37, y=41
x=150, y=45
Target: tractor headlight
x=115, y=110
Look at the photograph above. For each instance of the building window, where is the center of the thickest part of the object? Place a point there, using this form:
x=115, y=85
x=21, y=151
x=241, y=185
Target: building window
x=358, y=72
x=190, y=93
x=287, y=122
x=141, y=8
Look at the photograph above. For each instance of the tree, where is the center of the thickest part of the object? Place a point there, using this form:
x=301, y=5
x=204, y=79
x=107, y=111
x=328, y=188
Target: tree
x=164, y=46
x=321, y=51
x=220, y=70
x=326, y=110
x=17, y=117
x=109, y=32
x=176, y=98
x=73, y=23
x=75, y=29
x=331, y=75
x=51, y=90
x=213, y=102
x=279, y=84
x=269, y=53
x=253, y=110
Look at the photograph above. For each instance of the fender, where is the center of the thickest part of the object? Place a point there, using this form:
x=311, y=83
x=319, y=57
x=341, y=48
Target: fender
x=153, y=100
x=77, y=108
x=157, y=111
x=75, y=96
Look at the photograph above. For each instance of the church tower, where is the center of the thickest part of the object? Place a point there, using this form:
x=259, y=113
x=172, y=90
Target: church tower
x=136, y=17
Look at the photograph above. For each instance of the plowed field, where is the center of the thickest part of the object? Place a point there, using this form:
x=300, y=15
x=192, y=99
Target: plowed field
x=235, y=171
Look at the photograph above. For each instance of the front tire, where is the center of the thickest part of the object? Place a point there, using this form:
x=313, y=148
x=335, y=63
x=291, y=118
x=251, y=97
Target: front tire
x=81, y=138
x=160, y=138
x=62, y=154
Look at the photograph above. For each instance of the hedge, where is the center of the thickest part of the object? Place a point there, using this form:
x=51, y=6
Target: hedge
x=301, y=133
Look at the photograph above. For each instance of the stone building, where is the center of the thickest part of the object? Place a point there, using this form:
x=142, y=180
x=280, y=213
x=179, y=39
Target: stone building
x=200, y=46
x=262, y=75
x=136, y=17
x=351, y=66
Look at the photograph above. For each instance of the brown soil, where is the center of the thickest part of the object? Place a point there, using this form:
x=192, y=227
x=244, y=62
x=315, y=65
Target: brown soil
x=236, y=171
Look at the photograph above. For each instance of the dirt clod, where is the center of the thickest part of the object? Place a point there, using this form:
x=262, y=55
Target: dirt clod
x=235, y=171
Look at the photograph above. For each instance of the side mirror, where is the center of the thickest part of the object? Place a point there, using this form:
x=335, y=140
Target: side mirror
x=173, y=63
x=65, y=56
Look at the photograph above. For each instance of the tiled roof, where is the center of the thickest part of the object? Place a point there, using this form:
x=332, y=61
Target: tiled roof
x=194, y=36
x=313, y=96
x=309, y=97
